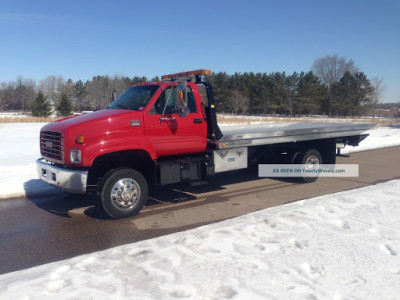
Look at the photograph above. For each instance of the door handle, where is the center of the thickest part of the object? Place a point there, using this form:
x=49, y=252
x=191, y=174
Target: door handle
x=167, y=119
x=197, y=121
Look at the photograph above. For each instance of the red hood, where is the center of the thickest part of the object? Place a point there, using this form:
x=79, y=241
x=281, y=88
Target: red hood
x=98, y=120
x=97, y=128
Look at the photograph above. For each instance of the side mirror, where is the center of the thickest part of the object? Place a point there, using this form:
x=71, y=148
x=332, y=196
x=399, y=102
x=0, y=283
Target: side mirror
x=181, y=102
x=183, y=112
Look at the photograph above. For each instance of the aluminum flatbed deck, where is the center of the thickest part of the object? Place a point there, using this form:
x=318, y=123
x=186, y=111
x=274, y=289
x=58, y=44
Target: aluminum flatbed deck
x=264, y=134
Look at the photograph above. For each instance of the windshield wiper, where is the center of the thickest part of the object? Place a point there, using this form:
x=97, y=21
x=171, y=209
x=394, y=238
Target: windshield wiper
x=121, y=106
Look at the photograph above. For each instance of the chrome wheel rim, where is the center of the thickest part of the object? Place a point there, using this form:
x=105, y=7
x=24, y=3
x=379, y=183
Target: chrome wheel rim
x=125, y=193
x=312, y=162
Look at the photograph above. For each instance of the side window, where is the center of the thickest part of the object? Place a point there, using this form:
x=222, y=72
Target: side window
x=191, y=101
x=168, y=99
x=203, y=93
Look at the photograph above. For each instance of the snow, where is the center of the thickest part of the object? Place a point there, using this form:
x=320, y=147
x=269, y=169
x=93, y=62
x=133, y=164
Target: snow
x=19, y=149
x=381, y=137
x=340, y=246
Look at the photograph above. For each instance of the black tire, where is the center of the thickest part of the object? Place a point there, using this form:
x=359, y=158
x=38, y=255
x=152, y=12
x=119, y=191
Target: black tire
x=309, y=157
x=123, y=192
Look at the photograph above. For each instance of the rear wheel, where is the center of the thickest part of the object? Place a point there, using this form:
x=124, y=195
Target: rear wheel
x=311, y=159
x=123, y=193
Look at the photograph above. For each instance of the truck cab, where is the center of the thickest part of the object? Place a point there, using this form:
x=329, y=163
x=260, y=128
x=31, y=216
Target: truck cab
x=145, y=124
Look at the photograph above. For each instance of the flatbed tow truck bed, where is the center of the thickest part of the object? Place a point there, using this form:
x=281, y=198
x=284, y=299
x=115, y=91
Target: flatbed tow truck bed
x=265, y=134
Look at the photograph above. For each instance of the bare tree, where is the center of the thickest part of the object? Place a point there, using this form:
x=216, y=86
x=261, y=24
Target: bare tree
x=238, y=102
x=379, y=89
x=330, y=69
x=98, y=92
x=119, y=83
x=68, y=88
x=8, y=96
x=17, y=95
x=26, y=92
x=52, y=87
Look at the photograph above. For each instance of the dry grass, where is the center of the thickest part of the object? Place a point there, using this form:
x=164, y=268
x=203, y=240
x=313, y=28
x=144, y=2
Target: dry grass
x=387, y=123
x=26, y=119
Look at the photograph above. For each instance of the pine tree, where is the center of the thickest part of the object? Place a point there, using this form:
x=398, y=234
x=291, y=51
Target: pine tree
x=40, y=107
x=64, y=108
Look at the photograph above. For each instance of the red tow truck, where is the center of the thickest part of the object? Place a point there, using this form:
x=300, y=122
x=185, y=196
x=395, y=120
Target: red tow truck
x=167, y=132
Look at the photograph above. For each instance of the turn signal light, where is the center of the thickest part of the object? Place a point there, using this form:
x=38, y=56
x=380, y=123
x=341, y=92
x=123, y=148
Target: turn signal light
x=80, y=139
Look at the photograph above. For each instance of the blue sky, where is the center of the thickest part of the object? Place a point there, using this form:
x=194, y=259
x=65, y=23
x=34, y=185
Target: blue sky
x=81, y=39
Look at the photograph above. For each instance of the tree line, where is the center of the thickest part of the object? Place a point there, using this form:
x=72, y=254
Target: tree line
x=64, y=95
x=334, y=86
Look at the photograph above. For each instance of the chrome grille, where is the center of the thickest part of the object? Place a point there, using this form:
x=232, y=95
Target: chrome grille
x=52, y=145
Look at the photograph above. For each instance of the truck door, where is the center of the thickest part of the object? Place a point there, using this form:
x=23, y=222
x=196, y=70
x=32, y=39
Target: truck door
x=170, y=133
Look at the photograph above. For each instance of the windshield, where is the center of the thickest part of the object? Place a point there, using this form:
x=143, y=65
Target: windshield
x=135, y=98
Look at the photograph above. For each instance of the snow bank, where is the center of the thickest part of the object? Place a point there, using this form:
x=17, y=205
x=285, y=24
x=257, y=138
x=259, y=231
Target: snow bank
x=381, y=137
x=340, y=246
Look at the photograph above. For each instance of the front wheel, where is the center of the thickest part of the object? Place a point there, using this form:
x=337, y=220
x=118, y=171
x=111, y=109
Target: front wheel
x=123, y=193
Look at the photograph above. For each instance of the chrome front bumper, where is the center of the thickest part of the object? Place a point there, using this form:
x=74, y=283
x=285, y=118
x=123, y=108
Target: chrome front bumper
x=71, y=181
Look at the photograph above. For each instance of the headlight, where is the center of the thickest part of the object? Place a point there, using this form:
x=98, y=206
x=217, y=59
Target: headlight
x=75, y=156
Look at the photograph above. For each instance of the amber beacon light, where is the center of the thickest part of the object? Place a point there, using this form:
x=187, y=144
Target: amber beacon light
x=188, y=73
